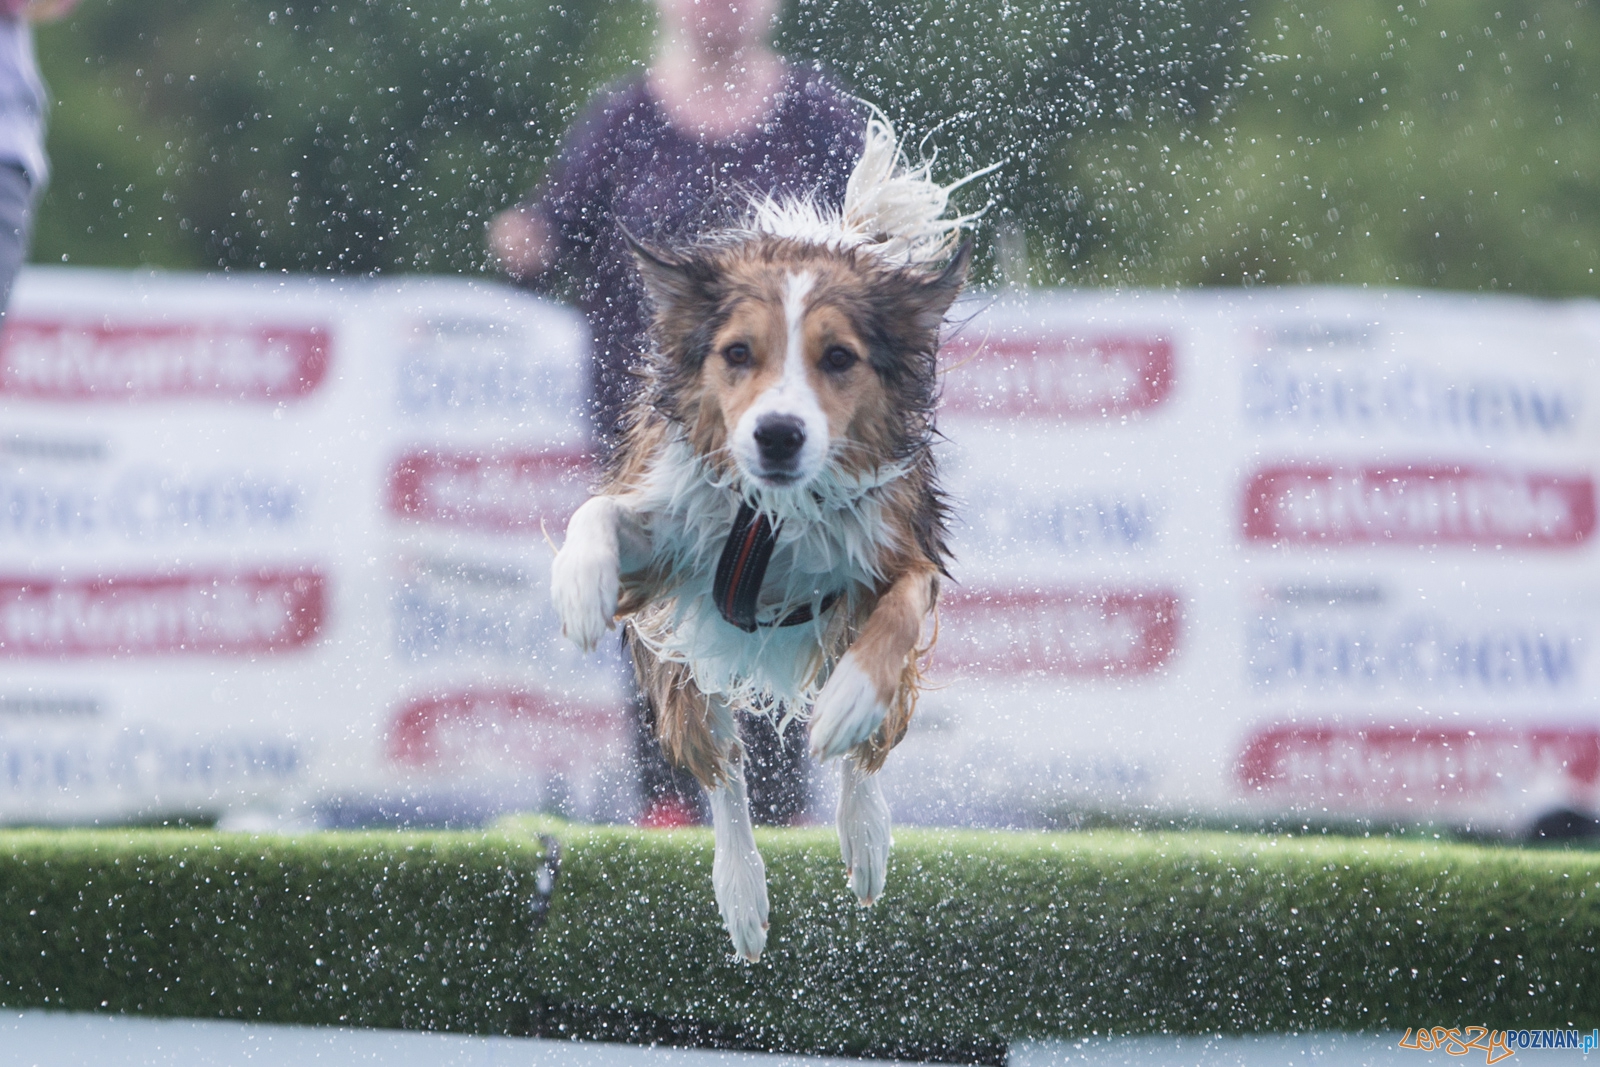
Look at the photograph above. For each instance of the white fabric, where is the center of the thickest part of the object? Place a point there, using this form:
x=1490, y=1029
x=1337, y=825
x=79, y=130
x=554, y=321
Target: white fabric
x=23, y=102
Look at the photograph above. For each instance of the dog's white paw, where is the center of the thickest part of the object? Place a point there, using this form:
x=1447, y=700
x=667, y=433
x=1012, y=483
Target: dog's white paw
x=584, y=583
x=864, y=837
x=848, y=710
x=738, y=874
x=740, y=879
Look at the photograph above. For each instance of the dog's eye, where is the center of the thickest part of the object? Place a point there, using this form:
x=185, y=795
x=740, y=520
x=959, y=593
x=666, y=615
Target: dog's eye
x=737, y=355
x=838, y=358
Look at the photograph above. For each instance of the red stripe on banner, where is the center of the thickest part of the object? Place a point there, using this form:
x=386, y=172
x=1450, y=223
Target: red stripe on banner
x=1071, y=633
x=492, y=491
x=82, y=361
x=1417, y=504
x=1051, y=376
x=515, y=727
x=1368, y=764
x=155, y=615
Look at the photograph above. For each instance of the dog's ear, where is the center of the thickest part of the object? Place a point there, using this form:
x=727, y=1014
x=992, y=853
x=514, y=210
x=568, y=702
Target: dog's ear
x=937, y=291
x=675, y=283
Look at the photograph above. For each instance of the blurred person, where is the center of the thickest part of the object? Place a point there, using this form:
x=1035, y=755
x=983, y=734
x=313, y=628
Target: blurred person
x=717, y=115
x=24, y=168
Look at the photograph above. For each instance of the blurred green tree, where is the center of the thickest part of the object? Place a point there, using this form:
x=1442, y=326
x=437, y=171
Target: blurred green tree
x=360, y=136
x=351, y=136
x=1410, y=143
x=1151, y=142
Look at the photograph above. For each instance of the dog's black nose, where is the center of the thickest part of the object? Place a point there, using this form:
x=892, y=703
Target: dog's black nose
x=780, y=438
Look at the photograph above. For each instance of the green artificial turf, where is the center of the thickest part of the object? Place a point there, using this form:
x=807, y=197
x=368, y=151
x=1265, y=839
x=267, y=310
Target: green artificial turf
x=416, y=930
x=982, y=937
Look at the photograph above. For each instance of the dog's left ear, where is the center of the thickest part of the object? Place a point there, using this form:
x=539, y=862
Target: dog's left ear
x=675, y=283
x=938, y=291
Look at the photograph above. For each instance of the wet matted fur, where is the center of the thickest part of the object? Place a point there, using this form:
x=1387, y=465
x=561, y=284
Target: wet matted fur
x=793, y=377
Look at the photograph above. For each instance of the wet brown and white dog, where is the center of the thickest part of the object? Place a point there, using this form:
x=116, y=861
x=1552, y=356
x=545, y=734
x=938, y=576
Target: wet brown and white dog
x=772, y=534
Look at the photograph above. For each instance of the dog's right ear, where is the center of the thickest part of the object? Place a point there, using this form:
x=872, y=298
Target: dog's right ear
x=675, y=283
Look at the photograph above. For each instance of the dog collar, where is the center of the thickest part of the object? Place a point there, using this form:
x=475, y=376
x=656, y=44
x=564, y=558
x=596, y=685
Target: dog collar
x=742, y=568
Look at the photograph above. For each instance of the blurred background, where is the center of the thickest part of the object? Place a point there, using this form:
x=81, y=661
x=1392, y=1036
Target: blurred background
x=1322, y=263
x=1151, y=142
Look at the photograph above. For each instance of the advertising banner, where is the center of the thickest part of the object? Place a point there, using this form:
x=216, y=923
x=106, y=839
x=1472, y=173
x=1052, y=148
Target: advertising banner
x=280, y=548
x=274, y=547
x=1306, y=553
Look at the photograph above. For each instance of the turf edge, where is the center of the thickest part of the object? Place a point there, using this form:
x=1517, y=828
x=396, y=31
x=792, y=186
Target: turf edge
x=982, y=938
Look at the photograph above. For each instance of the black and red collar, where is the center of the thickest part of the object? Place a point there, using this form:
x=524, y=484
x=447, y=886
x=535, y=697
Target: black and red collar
x=742, y=568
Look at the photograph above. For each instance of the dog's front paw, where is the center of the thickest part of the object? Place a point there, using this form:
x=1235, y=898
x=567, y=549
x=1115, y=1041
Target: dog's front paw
x=863, y=833
x=740, y=879
x=584, y=584
x=849, y=710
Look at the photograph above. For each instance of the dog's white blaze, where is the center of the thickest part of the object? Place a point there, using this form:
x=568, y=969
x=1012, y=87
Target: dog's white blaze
x=794, y=315
x=792, y=394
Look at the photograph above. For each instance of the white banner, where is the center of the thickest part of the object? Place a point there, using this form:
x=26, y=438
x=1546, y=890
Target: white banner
x=279, y=545
x=1315, y=552
x=275, y=544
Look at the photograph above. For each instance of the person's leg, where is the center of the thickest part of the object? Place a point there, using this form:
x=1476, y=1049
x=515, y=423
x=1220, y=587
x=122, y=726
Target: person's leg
x=778, y=776
x=777, y=772
x=669, y=795
x=16, y=218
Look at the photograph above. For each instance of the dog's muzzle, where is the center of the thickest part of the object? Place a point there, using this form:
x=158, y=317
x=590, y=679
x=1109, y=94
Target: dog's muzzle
x=779, y=439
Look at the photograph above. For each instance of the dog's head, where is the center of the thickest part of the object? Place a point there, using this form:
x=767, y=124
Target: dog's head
x=788, y=358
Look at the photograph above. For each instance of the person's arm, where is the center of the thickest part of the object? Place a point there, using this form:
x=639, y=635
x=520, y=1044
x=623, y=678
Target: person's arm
x=522, y=244
x=532, y=240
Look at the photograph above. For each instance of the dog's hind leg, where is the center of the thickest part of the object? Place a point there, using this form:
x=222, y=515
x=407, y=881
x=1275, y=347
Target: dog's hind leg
x=701, y=734
x=737, y=872
x=863, y=830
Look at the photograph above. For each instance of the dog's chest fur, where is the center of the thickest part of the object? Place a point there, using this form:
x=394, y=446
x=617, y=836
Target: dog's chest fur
x=831, y=541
